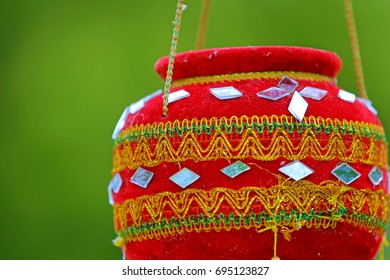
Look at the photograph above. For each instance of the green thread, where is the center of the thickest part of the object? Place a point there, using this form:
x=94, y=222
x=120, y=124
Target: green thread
x=257, y=219
x=234, y=127
x=171, y=61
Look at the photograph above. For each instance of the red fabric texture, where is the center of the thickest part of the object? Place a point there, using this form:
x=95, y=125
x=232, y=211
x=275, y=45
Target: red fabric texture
x=203, y=104
x=342, y=242
x=211, y=177
x=251, y=59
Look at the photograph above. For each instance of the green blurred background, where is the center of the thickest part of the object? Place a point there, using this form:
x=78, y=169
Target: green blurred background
x=68, y=68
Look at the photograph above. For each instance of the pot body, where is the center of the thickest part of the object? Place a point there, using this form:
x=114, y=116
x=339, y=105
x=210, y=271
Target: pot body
x=262, y=212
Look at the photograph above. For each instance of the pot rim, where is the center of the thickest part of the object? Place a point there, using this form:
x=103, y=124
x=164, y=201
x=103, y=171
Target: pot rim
x=219, y=61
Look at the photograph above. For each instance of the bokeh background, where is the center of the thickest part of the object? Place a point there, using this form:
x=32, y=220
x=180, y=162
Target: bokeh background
x=68, y=68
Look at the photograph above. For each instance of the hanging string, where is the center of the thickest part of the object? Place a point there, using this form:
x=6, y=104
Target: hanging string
x=357, y=61
x=175, y=36
x=200, y=38
x=275, y=230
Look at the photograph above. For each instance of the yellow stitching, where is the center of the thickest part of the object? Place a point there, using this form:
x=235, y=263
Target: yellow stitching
x=252, y=76
x=335, y=204
x=322, y=222
x=279, y=143
x=302, y=195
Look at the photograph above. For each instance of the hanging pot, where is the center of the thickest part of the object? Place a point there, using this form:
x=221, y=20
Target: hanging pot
x=261, y=156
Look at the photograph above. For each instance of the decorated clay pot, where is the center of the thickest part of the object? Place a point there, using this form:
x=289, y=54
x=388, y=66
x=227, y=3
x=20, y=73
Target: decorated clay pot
x=261, y=156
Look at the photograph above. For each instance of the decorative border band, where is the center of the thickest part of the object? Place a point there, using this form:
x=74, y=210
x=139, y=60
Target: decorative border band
x=259, y=124
x=287, y=206
x=252, y=76
x=261, y=139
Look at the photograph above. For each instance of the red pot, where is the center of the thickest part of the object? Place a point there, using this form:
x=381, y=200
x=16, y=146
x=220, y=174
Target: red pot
x=313, y=183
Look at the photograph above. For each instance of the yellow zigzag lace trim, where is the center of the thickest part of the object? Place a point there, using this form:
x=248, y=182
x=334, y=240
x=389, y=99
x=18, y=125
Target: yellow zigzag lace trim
x=252, y=76
x=264, y=139
x=256, y=123
x=285, y=207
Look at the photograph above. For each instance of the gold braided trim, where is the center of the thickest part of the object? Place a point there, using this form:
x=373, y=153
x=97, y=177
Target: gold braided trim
x=320, y=139
x=287, y=206
x=252, y=76
x=258, y=123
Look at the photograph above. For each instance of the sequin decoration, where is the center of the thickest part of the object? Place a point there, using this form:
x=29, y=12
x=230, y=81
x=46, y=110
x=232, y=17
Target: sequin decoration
x=135, y=107
x=114, y=186
x=141, y=177
x=288, y=84
x=375, y=176
x=313, y=93
x=298, y=106
x=345, y=173
x=224, y=93
x=368, y=104
x=116, y=183
x=235, y=169
x=273, y=93
x=184, y=178
x=177, y=95
x=152, y=95
x=110, y=198
x=121, y=123
x=346, y=96
x=296, y=170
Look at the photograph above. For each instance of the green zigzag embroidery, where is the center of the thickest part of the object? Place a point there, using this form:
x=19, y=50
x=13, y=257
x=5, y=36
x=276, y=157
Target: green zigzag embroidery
x=155, y=132
x=231, y=219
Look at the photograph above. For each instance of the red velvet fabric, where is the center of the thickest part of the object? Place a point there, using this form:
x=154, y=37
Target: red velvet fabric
x=251, y=59
x=211, y=177
x=342, y=242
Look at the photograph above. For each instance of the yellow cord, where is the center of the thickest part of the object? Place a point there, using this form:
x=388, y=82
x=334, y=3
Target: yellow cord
x=357, y=60
x=203, y=25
